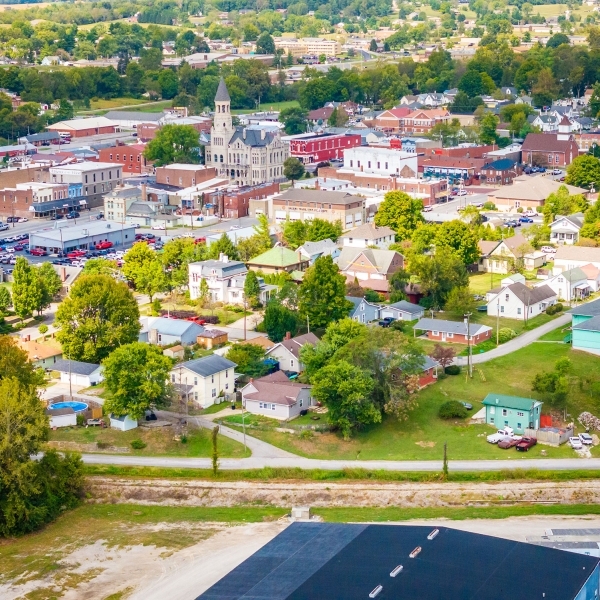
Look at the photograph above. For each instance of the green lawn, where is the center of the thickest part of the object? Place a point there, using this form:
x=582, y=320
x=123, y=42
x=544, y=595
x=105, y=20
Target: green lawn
x=484, y=282
x=422, y=436
x=267, y=106
x=159, y=442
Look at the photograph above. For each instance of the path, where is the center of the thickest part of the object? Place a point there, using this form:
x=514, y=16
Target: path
x=519, y=342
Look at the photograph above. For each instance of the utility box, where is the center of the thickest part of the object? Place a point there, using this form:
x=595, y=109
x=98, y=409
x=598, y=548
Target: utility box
x=301, y=512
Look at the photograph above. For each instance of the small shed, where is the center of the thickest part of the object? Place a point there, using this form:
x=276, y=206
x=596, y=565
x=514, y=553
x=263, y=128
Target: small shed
x=124, y=422
x=175, y=352
x=402, y=310
x=211, y=338
x=62, y=417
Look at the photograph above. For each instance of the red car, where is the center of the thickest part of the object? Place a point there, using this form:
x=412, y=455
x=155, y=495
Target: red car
x=103, y=245
x=38, y=252
x=74, y=253
x=18, y=247
x=200, y=240
x=507, y=443
x=525, y=444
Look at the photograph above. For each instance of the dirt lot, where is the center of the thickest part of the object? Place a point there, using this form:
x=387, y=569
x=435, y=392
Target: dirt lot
x=209, y=493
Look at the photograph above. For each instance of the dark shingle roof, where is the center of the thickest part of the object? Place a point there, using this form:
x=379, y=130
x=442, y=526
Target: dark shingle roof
x=589, y=309
x=222, y=93
x=252, y=137
x=592, y=324
x=405, y=306
x=209, y=365
x=503, y=164
x=530, y=295
x=458, y=327
x=76, y=367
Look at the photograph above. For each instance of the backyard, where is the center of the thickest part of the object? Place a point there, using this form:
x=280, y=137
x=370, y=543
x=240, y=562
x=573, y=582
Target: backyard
x=422, y=436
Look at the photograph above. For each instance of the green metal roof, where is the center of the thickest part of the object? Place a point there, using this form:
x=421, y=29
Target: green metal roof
x=277, y=257
x=509, y=401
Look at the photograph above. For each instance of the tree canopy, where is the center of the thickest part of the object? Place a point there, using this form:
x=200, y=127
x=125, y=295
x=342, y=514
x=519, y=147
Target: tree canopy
x=401, y=213
x=174, y=144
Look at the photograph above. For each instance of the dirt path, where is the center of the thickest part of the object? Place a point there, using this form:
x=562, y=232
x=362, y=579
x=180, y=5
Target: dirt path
x=287, y=494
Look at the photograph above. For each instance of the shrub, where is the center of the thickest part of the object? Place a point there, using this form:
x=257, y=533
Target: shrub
x=506, y=334
x=306, y=434
x=558, y=307
x=452, y=410
x=452, y=370
x=489, y=206
x=520, y=209
x=80, y=419
x=155, y=307
x=184, y=439
x=551, y=310
x=138, y=444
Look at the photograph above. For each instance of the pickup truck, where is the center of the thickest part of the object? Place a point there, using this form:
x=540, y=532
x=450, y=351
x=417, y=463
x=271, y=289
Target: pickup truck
x=501, y=434
x=526, y=443
x=386, y=321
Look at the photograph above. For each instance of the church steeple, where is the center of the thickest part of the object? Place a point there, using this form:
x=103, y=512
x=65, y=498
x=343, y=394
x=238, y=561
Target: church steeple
x=222, y=109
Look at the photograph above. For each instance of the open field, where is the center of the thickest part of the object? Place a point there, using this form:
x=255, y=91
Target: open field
x=423, y=435
x=159, y=442
x=4, y=7
x=266, y=106
x=484, y=282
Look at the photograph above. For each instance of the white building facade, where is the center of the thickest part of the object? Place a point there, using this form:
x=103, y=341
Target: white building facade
x=381, y=161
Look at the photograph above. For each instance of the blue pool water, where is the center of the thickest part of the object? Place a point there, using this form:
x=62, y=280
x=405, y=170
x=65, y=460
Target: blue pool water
x=76, y=406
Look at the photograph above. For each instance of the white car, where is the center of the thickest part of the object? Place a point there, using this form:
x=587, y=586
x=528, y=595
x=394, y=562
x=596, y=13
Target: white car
x=10, y=250
x=500, y=435
x=477, y=204
x=22, y=220
x=427, y=209
x=158, y=227
x=548, y=249
x=586, y=439
x=556, y=172
x=575, y=443
x=461, y=193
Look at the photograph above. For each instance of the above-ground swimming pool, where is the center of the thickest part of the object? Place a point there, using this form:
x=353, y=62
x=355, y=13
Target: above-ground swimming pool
x=76, y=406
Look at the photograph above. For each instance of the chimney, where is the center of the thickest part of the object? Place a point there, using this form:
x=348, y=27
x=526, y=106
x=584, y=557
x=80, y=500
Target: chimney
x=244, y=133
x=288, y=335
x=263, y=134
x=144, y=192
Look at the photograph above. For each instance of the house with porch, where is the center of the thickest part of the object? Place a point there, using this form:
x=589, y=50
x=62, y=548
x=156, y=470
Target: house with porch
x=585, y=327
x=509, y=252
x=276, y=396
x=517, y=301
x=569, y=285
x=287, y=352
x=512, y=411
x=565, y=229
x=439, y=330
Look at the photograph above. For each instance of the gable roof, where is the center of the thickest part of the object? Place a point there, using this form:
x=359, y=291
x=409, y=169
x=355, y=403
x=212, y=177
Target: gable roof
x=546, y=142
x=509, y=401
x=572, y=275
x=312, y=248
x=534, y=188
x=208, y=365
x=36, y=351
x=75, y=367
x=294, y=344
x=487, y=247
x=528, y=296
x=591, y=272
x=568, y=252
x=279, y=256
x=274, y=389
x=223, y=269
x=368, y=231
x=502, y=164
x=405, y=306
x=321, y=196
x=443, y=326
x=513, y=242
x=575, y=219
x=592, y=324
x=252, y=137
x=380, y=259
x=588, y=309
x=174, y=327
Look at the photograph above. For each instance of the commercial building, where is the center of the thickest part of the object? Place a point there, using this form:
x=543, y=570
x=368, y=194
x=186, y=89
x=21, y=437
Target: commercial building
x=341, y=561
x=311, y=45
x=132, y=119
x=65, y=237
x=304, y=205
x=234, y=202
x=94, y=178
x=36, y=199
x=118, y=202
x=245, y=155
x=78, y=128
x=131, y=158
x=312, y=148
x=381, y=161
x=549, y=149
x=184, y=175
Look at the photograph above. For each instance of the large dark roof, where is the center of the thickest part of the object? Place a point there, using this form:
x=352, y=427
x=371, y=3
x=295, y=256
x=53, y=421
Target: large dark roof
x=310, y=561
x=74, y=366
x=252, y=137
x=222, y=93
x=545, y=142
x=208, y=365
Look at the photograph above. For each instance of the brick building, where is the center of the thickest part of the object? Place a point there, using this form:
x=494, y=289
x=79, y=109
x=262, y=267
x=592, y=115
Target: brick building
x=130, y=157
x=35, y=199
x=312, y=148
x=148, y=131
x=500, y=172
x=448, y=166
x=183, y=175
x=235, y=203
x=550, y=149
x=77, y=128
x=455, y=332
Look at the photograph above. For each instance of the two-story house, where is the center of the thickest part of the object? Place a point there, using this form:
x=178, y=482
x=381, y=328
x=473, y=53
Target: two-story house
x=511, y=251
x=569, y=285
x=517, y=301
x=204, y=380
x=362, y=310
x=511, y=411
x=287, y=352
x=565, y=229
x=369, y=235
x=313, y=250
x=585, y=327
x=371, y=267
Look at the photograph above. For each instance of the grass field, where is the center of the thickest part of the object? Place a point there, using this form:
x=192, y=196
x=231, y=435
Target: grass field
x=484, y=282
x=265, y=106
x=422, y=436
x=159, y=442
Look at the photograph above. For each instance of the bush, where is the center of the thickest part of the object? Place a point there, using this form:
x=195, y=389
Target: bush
x=155, y=307
x=489, y=206
x=184, y=439
x=506, y=334
x=452, y=370
x=452, y=410
x=558, y=307
x=43, y=328
x=80, y=420
x=520, y=209
x=554, y=308
x=138, y=444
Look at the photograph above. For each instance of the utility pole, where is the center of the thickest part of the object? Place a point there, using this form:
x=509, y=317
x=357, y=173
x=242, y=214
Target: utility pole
x=244, y=316
x=470, y=355
x=498, y=322
x=307, y=324
x=70, y=382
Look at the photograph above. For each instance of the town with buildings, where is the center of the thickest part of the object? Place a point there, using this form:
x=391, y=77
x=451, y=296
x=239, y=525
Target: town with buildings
x=274, y=275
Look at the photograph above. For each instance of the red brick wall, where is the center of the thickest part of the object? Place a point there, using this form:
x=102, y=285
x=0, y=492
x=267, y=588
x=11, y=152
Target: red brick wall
x=184, y=178
x=427, y=377
x=131, y=158
x=459, y=338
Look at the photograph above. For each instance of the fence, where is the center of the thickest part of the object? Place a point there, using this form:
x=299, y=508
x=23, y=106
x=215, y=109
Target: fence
x=550, y=436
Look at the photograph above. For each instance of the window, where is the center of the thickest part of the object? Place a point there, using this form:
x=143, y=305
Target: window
x=519, y=310
x=450, y=335
x=226, y=386
x=520, y=414
x=212, y=378
x=214, y=392
x=505, y=423
x=519, y=426
x=435, y=333
x=226, y=374
x=506, y=297
x=492, y=410
x=491, y=420
x=195, y=381
x=172, y=377
x=301, y=402
x=504, y=412
x=502, y=309
x=292, y=362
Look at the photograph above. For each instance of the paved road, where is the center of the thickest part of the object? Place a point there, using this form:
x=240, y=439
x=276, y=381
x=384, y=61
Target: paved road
x=519, y=342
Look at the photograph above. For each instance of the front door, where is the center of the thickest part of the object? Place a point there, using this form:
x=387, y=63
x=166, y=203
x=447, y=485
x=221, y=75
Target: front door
x=443, y=336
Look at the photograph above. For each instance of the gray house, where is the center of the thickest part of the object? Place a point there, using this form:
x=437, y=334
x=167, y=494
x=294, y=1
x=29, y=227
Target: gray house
x=402, y=311
x=362, y=310
x=314, y=250
x=161, y=331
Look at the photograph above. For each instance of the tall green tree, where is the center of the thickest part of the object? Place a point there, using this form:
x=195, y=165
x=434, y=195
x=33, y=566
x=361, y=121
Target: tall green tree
x=144, y=269
x=248, y=358
x=49, y=283
x=321, y=296
x=584, y=171
x=177, y=254
x=460, y=301
x=26, y=289
x=252, y=289
x=98, y=316
x=279, y=319
x=293, y=169
x=14, y=363
x=461, y=238
x=294, y=120
x=345, y=390
x=225, y=246
x=487, y=128
x=5, y=299
x=563, y=203
x=265, y=44
x=136, y=378
x=174, y=144
x=401, y=213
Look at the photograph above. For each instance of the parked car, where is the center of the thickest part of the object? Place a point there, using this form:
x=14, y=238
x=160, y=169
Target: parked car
x=586, y=439
x=22, y=220
x=507, y=432
x=526, y=443
x=56, y=217
x=548, y=249
x=524, y=219
x=103, y=245
x=575, y=443
x=158, y=227
x=3, y=227
x=38, y=252
x=556, y=171
x=507, y=443
x=511, y=223
x=100, y=216
x=467, y=405
x=19, y=248
x=427, y=209
x=386, y=321
x=76, y=253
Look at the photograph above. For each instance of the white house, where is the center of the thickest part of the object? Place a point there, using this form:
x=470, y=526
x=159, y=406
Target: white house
x=61, y=417
x=225, y=280
x=204, y=380
x=568, y=257
x=569, y=285
x=517, y=301
x=161, y=331
x=402, y=311
x=381, y=161
x=565, y=230
x=514, y=278
x=369, y=235
x=593, y=276
x=287, y=352
x=124, y=423
x=313, y=250
x=510, y=251
x=48, y=61
x=276, y=396
x=78, y=373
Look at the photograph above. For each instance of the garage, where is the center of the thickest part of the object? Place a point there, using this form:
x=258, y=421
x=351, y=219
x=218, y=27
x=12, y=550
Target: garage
x=402, y=311
x=78, y=373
